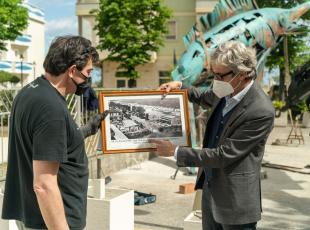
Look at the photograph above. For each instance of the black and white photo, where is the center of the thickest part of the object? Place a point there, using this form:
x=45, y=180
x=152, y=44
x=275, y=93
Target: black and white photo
x=137, y=116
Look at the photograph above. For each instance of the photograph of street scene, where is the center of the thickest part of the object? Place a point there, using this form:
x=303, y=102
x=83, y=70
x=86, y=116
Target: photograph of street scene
x=145, y=117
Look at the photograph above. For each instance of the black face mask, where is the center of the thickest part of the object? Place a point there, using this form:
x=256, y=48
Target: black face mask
x=81, y=88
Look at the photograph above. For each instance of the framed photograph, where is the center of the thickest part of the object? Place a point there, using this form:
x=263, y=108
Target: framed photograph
x=136, y=116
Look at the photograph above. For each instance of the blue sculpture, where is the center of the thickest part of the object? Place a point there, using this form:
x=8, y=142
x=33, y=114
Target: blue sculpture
x=235, y=20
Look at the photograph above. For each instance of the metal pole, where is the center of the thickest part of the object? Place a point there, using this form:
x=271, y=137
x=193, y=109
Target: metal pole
x=21, y=69
x=287, y=80
x=98, y=168
x=34, y=70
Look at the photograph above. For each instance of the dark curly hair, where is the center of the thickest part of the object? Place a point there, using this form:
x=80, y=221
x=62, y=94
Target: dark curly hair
x=66, y=51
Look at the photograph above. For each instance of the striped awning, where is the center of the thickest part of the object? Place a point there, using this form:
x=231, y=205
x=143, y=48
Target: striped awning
x=5, y=65
x=24, y=40
x=26, y=67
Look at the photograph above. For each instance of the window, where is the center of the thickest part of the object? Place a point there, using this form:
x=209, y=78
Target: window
x=164, y=76
x=123, y=83
x=172, y=30
x=120, y=83
x=132, y=83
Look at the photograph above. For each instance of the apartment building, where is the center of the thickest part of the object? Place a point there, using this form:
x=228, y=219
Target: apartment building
x=24, y=56
x=157, y=71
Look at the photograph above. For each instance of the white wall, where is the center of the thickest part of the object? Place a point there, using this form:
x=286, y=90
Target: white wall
x=36, y=50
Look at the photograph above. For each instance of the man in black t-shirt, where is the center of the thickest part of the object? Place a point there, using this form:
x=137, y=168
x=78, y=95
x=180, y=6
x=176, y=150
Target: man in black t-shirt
x=47, y=175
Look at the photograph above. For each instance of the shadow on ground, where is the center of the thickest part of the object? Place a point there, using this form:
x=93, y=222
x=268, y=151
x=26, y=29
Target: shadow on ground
x=286, y=203
x=169, y=162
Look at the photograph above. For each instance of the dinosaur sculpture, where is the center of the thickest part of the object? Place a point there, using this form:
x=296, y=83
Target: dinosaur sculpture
x=235, y=20
x=299, y=89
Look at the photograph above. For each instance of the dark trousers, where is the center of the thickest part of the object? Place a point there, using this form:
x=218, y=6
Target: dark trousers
x=208, y=222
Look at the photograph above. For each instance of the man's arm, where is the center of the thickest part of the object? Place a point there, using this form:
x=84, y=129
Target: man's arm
x=195, y=95
x=249, y=135
x=48, y=194
x=93, y=125
x=201, y=97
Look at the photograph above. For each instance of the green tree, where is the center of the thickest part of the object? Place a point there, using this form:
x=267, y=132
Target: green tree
x=298, y=49
x=130, y=30
x=13, y=19
x=8, y=77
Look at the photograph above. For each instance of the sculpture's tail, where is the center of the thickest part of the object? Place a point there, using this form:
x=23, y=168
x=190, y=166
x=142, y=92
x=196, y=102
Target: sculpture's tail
x=298, y=11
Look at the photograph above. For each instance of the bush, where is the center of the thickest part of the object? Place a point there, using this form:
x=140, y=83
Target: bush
x=8, y=77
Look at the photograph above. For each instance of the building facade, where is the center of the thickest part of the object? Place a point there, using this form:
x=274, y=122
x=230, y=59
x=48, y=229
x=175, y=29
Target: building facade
x=24, y=56
x=157, y=71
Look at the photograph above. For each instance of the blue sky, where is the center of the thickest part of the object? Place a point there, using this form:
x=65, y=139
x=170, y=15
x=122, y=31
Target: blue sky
x=60, y=18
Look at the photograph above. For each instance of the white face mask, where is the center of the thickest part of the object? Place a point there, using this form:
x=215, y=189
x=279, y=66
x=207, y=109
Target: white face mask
x=222, y=88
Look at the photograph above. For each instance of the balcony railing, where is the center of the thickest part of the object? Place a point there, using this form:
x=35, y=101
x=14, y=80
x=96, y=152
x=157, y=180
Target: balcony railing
x=23, y=40
x=16, y=67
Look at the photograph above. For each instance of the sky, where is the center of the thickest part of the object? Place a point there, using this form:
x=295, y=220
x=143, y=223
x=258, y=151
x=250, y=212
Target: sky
x=60, y=18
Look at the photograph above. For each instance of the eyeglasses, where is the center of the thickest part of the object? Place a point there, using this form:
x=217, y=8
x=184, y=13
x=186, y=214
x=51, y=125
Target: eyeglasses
x=221, y=76
x=86, y=78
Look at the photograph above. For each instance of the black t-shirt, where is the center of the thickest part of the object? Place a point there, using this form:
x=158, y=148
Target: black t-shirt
x=41, y=128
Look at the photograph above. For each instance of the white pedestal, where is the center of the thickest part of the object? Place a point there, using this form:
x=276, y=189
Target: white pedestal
x=107, y=209
x=192, y=222
x=114, y=212
x=96, y=188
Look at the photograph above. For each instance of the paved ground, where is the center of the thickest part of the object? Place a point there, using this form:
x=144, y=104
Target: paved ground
x=286, y=195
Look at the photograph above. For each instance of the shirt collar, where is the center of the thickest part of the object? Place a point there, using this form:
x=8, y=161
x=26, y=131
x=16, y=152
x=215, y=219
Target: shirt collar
x=238, y=97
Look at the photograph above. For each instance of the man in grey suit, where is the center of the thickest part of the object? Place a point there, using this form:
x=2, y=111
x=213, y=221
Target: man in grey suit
x=241, y=119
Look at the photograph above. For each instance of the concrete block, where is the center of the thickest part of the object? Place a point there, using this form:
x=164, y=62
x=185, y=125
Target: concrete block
x=193, y=221
x=197, y=200
x=187, y=188
x=114, y=212
x=96, y=188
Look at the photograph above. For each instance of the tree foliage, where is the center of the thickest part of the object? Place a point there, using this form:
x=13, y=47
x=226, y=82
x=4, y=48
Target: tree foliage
x=13, y=19
x=8, y=77
x=130, y=30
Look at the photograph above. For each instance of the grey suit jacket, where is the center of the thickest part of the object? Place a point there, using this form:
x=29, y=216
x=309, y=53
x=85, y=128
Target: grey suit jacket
x=236, y=162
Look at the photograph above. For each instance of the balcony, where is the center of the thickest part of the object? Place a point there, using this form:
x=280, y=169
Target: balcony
x=24, y=67
x=23, y=40
x=6, y=66
x=16, y=67
x=34, y=12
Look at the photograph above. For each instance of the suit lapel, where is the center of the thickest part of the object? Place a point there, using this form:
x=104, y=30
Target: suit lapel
x=201, y=169
x=212, y=109
x=239, y=110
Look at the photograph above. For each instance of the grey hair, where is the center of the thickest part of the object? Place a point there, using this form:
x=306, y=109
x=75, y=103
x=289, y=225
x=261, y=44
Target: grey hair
x=237, y=57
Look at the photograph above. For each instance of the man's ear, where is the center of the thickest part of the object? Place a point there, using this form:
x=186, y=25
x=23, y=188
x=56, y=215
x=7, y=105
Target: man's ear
x=71, y=70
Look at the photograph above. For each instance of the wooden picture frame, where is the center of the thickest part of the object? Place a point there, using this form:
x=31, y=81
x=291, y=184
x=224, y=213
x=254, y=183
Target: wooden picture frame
x=137, y=116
